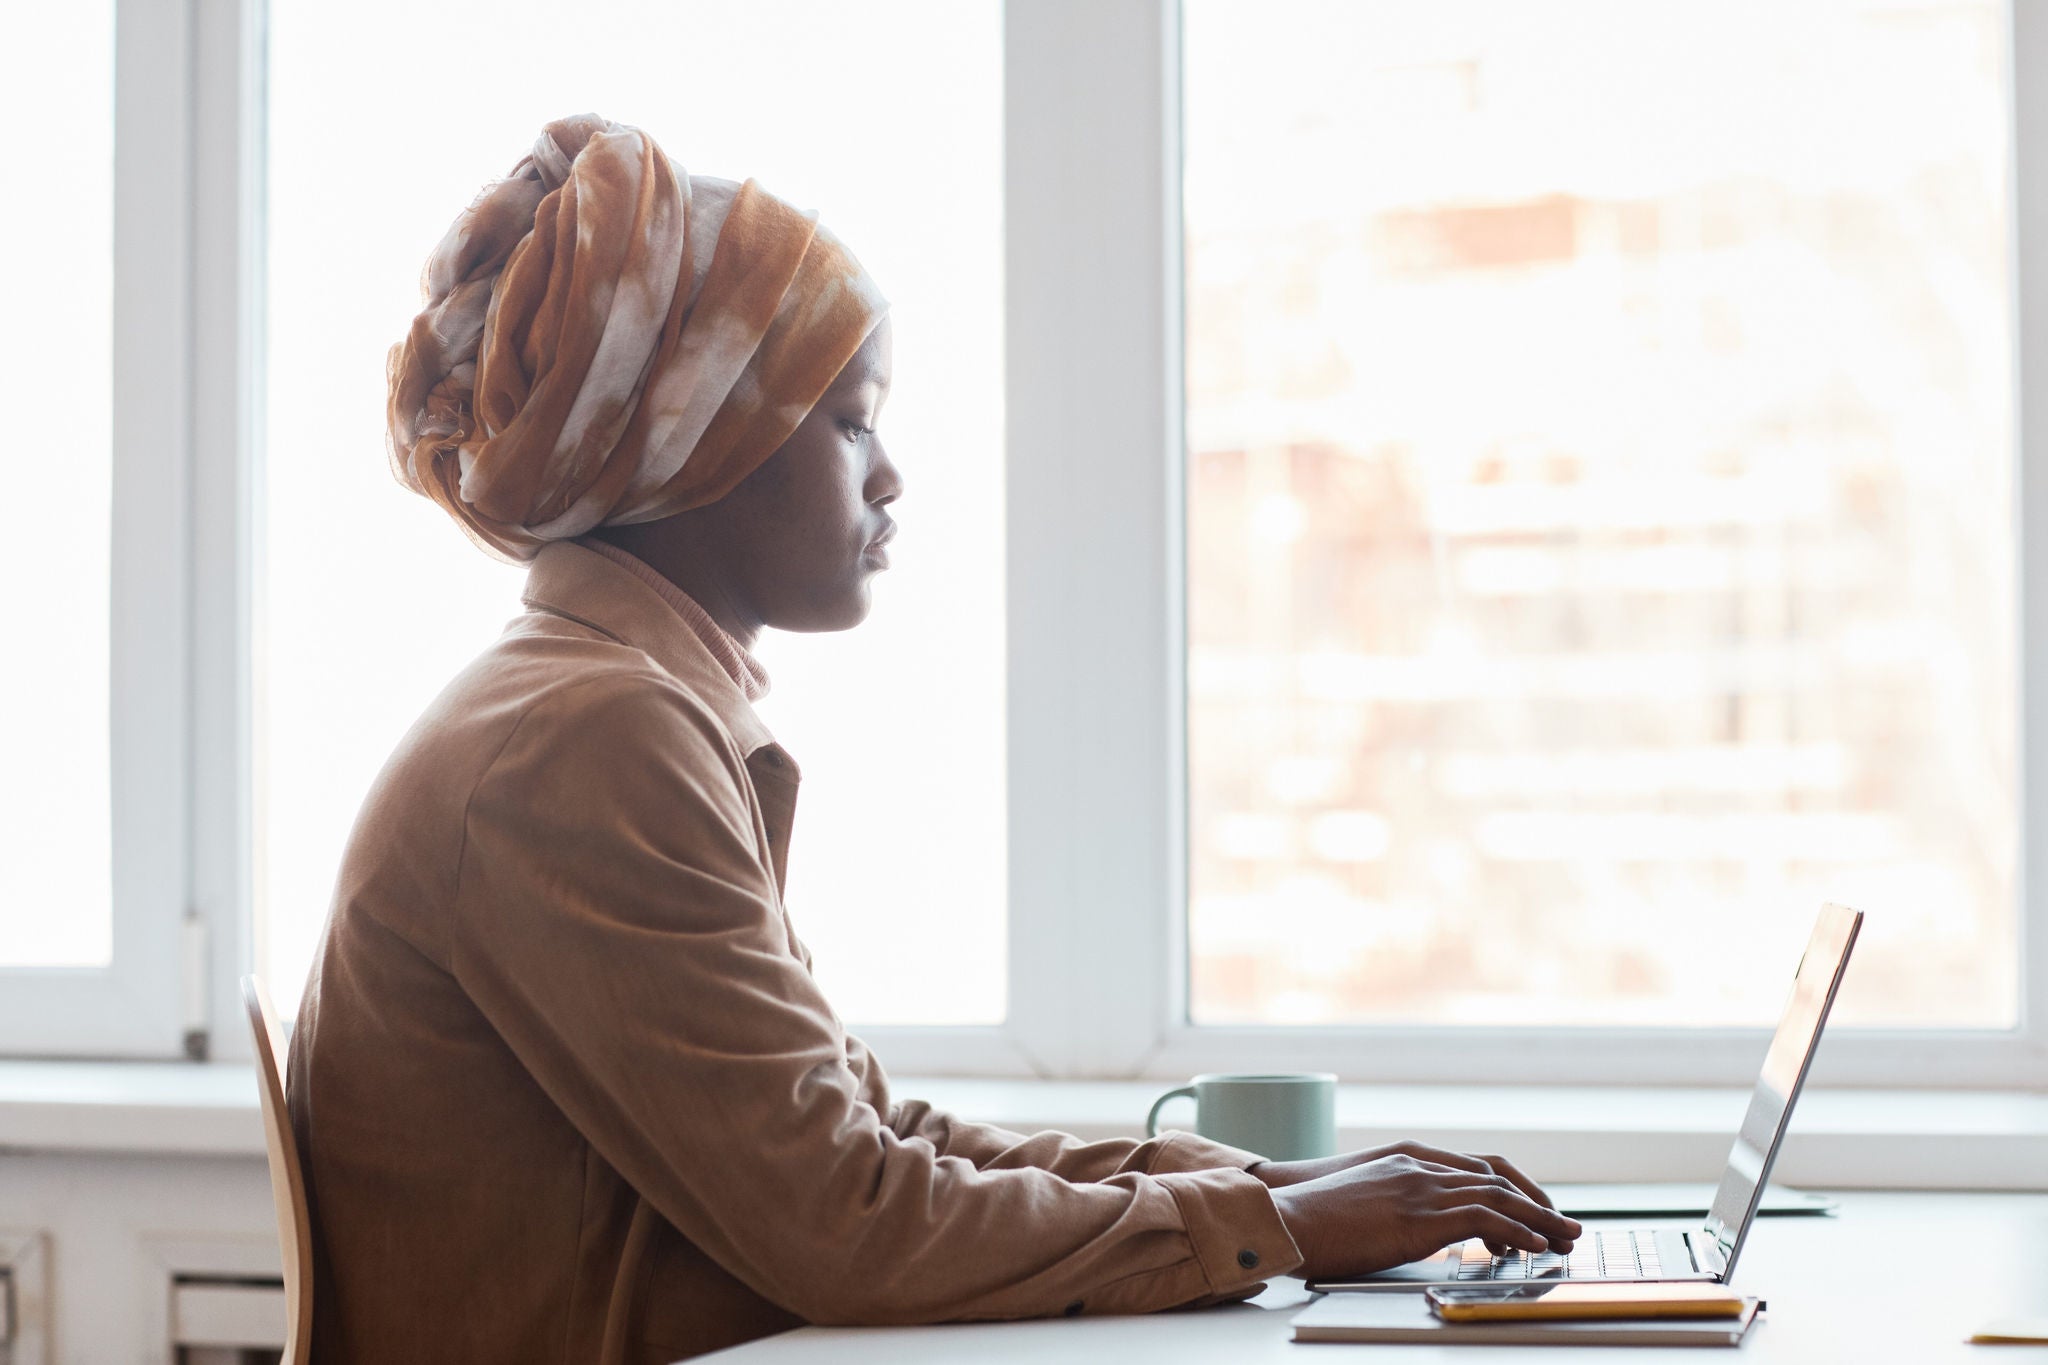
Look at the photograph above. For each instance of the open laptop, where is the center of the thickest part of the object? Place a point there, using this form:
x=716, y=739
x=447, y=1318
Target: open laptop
x=1708, y=1251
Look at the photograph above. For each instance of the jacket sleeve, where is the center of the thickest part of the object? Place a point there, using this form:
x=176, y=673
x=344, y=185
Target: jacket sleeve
x=617, y=923
x=992, y=1148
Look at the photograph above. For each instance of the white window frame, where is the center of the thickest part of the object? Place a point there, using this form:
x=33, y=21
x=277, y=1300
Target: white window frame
x=229, y=40
x=1096, y=725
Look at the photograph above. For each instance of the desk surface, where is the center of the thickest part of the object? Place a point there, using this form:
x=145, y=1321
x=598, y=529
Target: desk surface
x=1893, y=1277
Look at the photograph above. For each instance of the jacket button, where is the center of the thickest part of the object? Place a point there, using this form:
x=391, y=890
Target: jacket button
x=1074, y=1309
x=1248, y=1259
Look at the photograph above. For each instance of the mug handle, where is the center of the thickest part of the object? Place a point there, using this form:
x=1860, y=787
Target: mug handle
x=1152, y=1119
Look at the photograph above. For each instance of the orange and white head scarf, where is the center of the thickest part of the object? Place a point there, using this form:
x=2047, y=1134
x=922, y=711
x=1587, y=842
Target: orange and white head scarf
x=607, y=339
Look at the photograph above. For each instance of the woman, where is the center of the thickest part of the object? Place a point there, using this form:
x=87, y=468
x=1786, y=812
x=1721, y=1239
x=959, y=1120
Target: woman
x=565, y=1086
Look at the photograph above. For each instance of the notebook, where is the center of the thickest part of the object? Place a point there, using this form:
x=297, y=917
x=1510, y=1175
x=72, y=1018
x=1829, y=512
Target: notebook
x=1677, y=1201
x=1405, y=1318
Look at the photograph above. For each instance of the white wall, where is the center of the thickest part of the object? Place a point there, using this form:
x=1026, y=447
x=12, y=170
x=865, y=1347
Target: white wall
x=115, y=1229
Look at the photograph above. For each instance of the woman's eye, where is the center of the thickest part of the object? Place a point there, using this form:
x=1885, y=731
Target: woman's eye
x=856, y=430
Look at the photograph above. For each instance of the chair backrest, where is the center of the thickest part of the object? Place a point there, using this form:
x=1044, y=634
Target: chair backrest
x=287, y=1176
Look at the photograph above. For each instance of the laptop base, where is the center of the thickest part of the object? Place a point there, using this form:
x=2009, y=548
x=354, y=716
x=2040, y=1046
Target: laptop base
x=1674, y=1260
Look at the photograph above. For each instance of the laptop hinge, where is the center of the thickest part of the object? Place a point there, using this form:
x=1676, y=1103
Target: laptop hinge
x=1705, y=1249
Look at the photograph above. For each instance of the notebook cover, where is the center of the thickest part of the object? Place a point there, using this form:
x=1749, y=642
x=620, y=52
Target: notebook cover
x=2012, y=1332
x=1676, y=1201
x=1406, y=1318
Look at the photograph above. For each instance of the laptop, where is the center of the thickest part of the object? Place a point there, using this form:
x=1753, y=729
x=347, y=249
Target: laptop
x=1708, y=1251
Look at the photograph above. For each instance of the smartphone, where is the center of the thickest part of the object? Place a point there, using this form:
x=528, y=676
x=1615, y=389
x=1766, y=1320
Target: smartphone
x=1562, y=1299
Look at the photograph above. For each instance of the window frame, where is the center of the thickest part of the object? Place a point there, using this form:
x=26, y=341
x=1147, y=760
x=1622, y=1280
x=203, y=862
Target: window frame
x=227, y=330
x=1097, y=801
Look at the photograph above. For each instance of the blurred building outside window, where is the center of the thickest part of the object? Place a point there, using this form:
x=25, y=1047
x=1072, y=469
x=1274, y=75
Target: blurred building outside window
x=1600, y=509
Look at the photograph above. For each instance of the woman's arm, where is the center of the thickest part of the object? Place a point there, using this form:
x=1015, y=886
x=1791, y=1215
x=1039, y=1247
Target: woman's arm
x=616, y=925
x=992, y=1148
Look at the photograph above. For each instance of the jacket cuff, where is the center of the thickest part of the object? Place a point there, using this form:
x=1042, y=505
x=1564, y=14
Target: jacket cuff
x=1186, y=1152
x=1236, y=1230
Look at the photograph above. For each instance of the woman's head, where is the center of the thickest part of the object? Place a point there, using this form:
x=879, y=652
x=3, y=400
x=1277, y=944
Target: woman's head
x=796, y=544
x=608, y=341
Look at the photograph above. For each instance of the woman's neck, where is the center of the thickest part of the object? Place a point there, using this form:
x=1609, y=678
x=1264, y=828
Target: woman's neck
x=666, y=548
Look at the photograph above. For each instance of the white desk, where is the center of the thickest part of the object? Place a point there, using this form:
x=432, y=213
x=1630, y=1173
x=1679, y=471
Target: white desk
x=1955, y=1260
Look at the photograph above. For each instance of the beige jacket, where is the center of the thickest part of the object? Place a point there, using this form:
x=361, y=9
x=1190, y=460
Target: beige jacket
x=567, y=1091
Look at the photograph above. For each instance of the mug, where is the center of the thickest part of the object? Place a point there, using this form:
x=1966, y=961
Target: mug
x=1282, y=1117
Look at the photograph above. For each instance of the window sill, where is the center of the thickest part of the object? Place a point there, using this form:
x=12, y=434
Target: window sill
x=1843, y=1139
x=155, y=1108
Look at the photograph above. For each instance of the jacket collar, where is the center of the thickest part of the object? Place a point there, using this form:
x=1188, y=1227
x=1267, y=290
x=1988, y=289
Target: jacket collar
x=570, y=580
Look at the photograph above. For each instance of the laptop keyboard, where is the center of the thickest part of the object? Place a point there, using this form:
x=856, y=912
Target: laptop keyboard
x=1624, y=1254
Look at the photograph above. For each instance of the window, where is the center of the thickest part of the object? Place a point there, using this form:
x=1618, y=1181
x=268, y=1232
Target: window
x=56, y=891
x=92, y=887
x=1601, y=496
x=351, y=650
x=1455, y=496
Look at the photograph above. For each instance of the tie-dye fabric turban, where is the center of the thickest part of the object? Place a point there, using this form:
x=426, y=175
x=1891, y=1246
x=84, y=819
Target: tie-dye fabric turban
x=608, y=339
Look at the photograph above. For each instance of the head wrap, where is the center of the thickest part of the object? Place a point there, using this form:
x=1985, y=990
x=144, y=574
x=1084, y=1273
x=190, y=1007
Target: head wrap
x=606, y=338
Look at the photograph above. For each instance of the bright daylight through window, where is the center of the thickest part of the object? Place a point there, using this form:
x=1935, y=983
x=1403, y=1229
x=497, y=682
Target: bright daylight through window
x=374, y=598
x=1600, y=508
x=56, y=365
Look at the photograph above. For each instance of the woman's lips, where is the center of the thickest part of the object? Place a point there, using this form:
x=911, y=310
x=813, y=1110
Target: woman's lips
x=876, y=555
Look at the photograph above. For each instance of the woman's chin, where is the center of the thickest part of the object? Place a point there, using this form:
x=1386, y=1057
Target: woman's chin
x=842, y=611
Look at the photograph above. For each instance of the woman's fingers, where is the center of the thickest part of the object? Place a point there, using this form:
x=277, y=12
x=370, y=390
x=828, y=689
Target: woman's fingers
x=1560, y=1230
x=1474, y=1181
x=1483, y=1164
x=1497, y=1194
x=1502, y=1166
x=1493, y=1227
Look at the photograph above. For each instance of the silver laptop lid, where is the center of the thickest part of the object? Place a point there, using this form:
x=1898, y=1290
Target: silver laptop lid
x=1777, y=1089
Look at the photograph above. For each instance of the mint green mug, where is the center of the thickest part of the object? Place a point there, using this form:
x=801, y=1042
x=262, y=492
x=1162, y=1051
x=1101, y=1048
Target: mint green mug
x=1283, y=1117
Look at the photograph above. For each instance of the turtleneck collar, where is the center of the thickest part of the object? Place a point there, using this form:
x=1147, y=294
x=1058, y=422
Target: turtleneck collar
x=744, y=669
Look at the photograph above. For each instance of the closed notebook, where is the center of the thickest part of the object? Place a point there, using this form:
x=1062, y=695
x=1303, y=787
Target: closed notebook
x=1675, y=1201
x=1399, y=1317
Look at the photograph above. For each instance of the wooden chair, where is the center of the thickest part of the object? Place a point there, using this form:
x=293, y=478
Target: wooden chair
x=287, y=1176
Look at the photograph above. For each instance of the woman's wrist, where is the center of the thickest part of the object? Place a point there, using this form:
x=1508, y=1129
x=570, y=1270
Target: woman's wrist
x=1280, y=1174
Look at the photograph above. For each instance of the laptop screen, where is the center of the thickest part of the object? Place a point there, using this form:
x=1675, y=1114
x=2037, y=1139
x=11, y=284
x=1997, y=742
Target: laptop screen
x=1763, y=1127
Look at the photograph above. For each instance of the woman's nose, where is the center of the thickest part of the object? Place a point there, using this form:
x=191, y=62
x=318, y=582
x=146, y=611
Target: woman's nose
x=885, y=481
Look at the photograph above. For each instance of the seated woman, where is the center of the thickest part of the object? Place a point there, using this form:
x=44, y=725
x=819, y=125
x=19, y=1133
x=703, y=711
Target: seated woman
x=566, y=1089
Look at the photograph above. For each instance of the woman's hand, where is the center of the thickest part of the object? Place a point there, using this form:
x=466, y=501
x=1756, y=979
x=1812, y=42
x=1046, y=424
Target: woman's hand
x=1278, y=1173
x=1367, y=1211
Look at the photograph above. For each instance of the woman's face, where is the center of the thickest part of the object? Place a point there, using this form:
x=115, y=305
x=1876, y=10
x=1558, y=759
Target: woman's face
x=805, y=533
x=796, y=543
